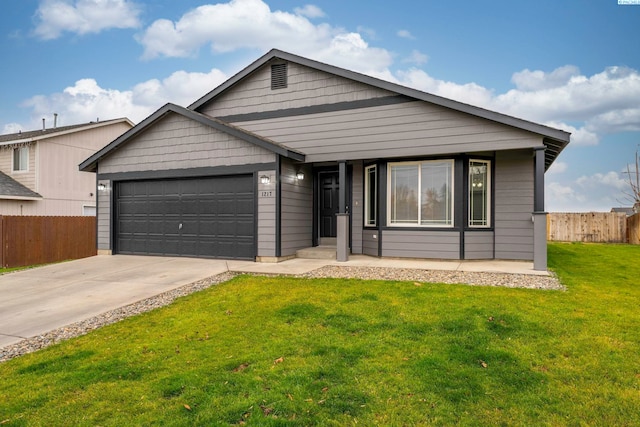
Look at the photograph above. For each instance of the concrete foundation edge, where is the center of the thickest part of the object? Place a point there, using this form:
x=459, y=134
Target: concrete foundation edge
x=274, y=259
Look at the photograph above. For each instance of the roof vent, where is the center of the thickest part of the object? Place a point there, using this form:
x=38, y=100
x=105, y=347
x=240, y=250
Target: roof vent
x=279, y=76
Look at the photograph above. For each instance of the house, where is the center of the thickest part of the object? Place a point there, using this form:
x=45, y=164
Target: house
x=291, y=153
x=627, y=211
x=39, y=169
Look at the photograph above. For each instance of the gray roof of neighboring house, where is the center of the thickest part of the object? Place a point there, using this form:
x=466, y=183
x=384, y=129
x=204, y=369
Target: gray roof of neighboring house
x=628, y=211
x=10, y=188
x=89, y=165
x=39, y=134
x=555, y=140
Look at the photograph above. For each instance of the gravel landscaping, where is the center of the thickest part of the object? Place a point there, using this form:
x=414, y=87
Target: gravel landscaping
x=368, y=273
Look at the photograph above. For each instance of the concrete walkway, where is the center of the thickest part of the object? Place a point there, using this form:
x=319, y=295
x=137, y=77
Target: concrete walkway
x=301, y=266
x=39, y=300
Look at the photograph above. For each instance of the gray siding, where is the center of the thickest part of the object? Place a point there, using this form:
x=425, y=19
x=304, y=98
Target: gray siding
x=357, y=207
x=370, y=242
x=266, y=215
x=103, y=216
x=421, y=244
x=306, y=87
x=176, y=142
x=407, y=129
x=514, y=205
x=478, y=244
x=296, y=208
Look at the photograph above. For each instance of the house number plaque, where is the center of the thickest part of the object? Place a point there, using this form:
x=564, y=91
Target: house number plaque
x=267, y=193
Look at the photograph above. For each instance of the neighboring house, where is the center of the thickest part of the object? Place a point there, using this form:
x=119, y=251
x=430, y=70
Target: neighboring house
x=626, y=211
x=39, y=169
x=292, y=153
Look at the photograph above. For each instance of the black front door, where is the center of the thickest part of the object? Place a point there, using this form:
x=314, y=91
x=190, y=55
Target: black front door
x=328, y=203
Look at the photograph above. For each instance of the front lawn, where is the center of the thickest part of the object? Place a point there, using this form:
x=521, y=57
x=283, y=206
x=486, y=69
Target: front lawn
x=285, y=351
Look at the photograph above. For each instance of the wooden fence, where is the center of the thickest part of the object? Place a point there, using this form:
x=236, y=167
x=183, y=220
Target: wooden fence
x=633, y=229
x=603, y=227
x=32, y=240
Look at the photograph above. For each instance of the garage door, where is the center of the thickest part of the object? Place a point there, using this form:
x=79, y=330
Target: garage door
x=203, y=217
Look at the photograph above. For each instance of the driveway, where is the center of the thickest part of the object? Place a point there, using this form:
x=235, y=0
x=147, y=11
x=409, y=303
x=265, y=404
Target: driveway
x=39, y=300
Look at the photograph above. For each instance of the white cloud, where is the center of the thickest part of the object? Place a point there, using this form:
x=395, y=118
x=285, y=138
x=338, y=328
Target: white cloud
x=596, y=192
x=470, y=93
x=84, y=16
x=566, y=95
x=558, y=168
x=181, y=88
x=600, y=104
x=229, y=26
x=242, y=24
x=11, y=128
x=609, y=179
x=620, y=120
x=416, y=57
x=405, y=34
x=86, y=100
x=579, y=136
x=310, y=11
x=349, y=50
x=527, y=81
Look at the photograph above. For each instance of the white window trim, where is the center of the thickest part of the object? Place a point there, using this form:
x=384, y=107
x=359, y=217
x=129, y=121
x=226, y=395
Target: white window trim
x=414, y=225
x=489, y=183
x=366, y=195
x=13, y=159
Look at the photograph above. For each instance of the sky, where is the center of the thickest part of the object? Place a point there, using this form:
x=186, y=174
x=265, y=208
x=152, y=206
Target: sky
x=571, y=64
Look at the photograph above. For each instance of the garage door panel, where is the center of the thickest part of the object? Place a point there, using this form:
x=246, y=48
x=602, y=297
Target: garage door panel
x=245, y=228
x=217, y=217
x=244, y=205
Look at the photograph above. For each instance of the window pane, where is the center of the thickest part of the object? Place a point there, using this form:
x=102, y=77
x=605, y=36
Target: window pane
x=479, y=193
x=20, y=158
x=436, y=193
x=371, y=195
x=404, y=194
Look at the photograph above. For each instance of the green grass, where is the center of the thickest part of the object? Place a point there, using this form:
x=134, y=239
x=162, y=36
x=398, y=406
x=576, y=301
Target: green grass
x=284, y=351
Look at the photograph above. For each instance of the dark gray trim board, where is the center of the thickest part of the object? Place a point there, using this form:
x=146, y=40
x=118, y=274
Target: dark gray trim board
x=278, y=207
x=558, y=138
x=538, y=181
x=188, y=173
x=90, y=165
x=461, y=196
x=317, y=109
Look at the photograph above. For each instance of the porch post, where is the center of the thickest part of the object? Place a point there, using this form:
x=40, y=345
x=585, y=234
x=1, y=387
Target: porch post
x=342, y=231
x=539, y=216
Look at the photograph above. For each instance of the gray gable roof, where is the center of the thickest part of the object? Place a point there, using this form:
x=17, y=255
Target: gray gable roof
x=39, y=134
x=555, y=140
x=90, y=165
x=12, y=189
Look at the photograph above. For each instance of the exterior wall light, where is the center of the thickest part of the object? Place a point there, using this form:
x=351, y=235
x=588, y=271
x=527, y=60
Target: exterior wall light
x=101, y=187
x=264, y=179
x=299, y=176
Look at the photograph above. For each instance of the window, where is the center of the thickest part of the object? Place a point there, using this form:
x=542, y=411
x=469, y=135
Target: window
x=370, y=195
x=421, y=193
x=479, y=193
x=88, y=210
x=279, y=76
x=21, y=159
